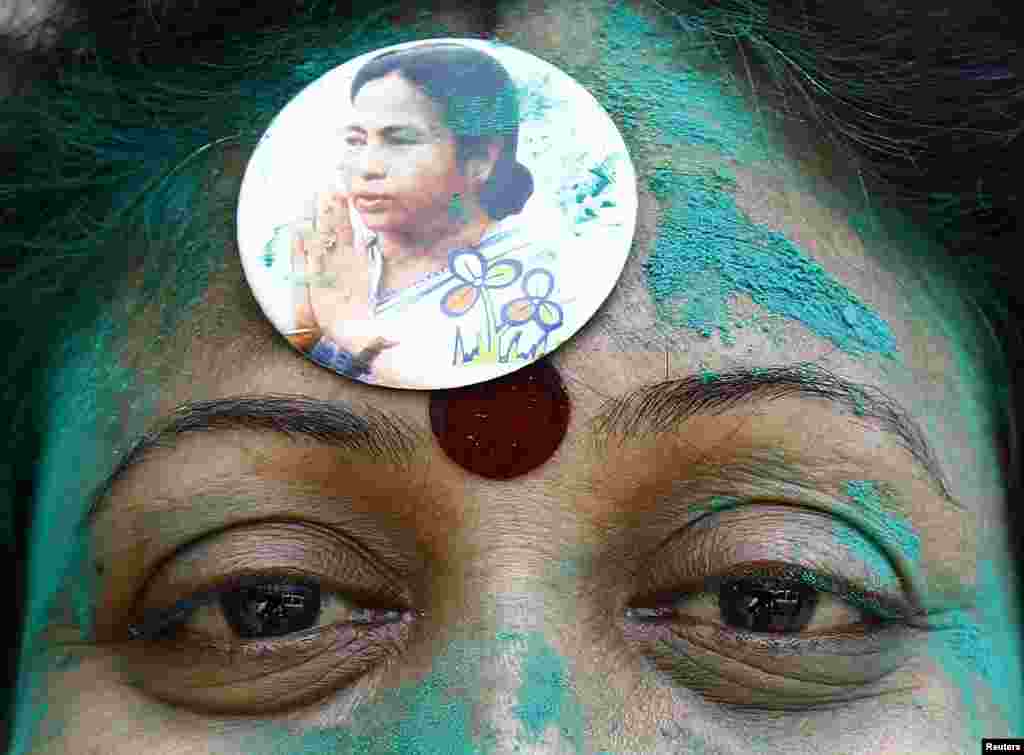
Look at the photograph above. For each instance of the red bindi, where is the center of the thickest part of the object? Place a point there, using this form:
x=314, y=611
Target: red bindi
x=505, y=427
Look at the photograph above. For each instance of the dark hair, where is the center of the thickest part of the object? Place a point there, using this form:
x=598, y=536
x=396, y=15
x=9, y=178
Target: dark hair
x=479, y=103
x=115, y=129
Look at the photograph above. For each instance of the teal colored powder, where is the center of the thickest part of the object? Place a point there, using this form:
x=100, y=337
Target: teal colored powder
x=707, y=253
x=860, y=549
x=961, y=651
x=718, y=503
x=436, y=715
x=707, y=376
x=893, y=528
x=544, y=698
x=570, y=568
x=457, y=209
x=535, y=101
x=663, y=101
x=61, y=563
x=984, y=649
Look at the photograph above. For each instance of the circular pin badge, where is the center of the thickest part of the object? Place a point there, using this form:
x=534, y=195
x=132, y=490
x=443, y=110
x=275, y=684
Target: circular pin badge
x=436, y=214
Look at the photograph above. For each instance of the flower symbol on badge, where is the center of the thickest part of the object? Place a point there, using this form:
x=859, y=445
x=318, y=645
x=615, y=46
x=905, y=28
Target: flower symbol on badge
x=476, y=275
x=537, y=285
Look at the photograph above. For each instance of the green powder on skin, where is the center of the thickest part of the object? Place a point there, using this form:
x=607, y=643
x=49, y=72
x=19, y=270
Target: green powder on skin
x=883, y=576
x=707, y=376
x=439, y=713
x=707, y=253
x=875, y=504
x=86, y=406
x=659, y=101
x=718, y=503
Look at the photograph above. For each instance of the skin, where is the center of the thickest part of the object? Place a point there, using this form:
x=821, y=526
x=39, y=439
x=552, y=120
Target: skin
x=523, y=640
x=417, y=166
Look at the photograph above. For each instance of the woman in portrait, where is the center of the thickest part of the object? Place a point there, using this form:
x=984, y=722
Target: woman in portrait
x=785, y=513
x=429, y=168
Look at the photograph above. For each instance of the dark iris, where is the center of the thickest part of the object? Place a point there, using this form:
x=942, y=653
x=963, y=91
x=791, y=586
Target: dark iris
x=271, y=610
x=766, y=605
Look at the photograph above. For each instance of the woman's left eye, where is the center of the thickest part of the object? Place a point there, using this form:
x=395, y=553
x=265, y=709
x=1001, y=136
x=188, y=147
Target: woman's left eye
x=763, y=605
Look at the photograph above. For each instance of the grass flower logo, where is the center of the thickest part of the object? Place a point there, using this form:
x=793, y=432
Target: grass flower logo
x=477, y=276
x=535, y=305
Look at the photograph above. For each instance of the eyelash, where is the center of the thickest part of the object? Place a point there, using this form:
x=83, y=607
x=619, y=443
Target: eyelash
x=880, y=609
x=163, y=623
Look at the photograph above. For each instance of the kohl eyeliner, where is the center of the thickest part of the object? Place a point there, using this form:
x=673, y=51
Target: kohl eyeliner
x=158, y=623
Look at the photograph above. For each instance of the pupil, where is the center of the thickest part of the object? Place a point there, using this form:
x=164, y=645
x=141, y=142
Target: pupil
x=766, y=605
x=271, y=610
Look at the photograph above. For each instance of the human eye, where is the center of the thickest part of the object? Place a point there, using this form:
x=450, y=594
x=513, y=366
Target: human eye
x=405, y=136
x=784, y=621
x=264, y=618
x=779, y=599
x=257, y=607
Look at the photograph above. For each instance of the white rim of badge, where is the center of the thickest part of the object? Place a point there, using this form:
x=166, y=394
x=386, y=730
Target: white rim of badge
x=523, y=283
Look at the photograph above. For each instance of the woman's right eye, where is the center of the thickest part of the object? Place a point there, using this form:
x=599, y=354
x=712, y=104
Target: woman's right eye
x=268, y=645
x=259, y=610
x=269, y=616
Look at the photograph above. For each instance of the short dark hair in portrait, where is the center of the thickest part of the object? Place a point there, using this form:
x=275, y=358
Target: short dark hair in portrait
x=480, y=104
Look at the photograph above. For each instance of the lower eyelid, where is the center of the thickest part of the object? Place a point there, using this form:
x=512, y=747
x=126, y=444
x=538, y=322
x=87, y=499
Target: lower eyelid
x=780, y=672
x=248, y=677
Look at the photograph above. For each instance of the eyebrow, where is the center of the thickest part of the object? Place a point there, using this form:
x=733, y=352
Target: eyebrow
x=665, y=406
x=388, y=130
x=652, y=409
x=373, y=433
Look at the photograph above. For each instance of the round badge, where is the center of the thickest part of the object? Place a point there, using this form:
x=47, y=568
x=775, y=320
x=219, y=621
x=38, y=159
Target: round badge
x=436, y=214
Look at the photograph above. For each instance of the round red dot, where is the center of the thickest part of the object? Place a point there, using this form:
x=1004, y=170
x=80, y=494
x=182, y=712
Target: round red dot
x=505, y=427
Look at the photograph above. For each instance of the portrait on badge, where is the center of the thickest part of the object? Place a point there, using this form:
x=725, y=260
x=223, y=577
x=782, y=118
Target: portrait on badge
x=451, y=204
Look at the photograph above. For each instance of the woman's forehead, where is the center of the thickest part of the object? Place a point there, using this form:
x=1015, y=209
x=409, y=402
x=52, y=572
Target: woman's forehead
x=391, y=101
x=633, y=342
x=737, y=263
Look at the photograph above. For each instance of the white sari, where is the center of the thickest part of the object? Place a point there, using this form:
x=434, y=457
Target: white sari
x=493, y=305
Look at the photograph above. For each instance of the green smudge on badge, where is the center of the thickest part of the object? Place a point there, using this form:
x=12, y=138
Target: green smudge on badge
x=456, y=209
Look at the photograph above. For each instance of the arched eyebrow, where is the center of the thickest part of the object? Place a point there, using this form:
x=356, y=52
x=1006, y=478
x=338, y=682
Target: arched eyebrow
x=667, y=405
x=387, y=131
x=373, y=433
